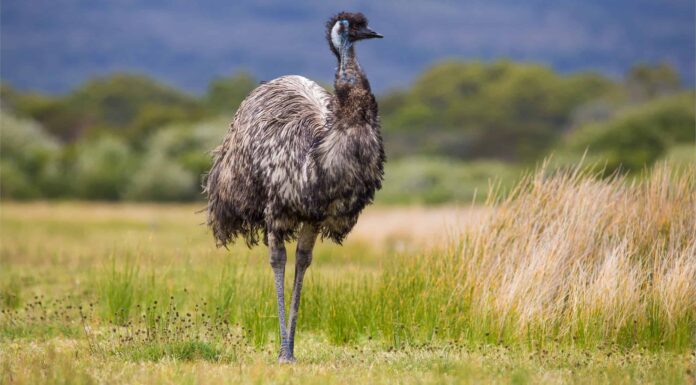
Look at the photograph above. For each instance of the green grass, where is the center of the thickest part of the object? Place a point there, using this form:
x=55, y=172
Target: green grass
x=137, y=293
x=69, y=361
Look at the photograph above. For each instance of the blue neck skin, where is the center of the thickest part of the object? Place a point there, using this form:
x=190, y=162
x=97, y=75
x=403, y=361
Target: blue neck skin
x=346, y=55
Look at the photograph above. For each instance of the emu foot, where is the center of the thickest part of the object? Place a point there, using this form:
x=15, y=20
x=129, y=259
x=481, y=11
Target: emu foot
x=285, y=357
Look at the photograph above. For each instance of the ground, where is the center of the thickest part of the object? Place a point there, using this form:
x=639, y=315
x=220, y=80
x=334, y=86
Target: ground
x=113, y=293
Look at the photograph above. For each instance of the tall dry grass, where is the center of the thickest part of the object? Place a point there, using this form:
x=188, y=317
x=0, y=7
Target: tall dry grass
x=576, y=257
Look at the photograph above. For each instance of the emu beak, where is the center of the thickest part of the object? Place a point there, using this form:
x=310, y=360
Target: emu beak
x=367, y=33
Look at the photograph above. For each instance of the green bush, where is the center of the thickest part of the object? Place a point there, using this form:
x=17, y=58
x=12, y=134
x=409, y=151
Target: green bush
x=638, y=135
x=226, y=93
x=15, y=184
x=681, y=156
x=162, y=179
x=25, y=141
x=500, y=110
x=190, y=144
x=125, y=105
x=26, y=152
x=103, y=168
x=129, y=136
x=175, y=160
x=438, y=180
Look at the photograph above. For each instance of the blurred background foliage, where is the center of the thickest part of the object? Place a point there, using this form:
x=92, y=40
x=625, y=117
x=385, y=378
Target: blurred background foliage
x=458, y=129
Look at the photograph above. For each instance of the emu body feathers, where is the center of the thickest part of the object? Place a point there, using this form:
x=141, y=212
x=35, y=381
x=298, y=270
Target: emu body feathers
x=298, y=162
x=295, y=154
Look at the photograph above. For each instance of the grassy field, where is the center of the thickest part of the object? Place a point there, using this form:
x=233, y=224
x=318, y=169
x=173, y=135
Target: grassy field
x=568, y=280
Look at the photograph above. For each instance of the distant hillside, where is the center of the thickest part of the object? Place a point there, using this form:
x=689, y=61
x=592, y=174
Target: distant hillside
x=53, y=45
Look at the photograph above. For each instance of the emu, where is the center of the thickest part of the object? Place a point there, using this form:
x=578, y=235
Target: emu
x=298, y=162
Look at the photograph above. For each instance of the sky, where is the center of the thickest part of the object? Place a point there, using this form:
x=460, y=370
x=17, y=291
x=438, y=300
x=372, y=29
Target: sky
x=54, y=45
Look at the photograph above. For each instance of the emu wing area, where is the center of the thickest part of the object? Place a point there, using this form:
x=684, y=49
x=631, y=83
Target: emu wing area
x=264, y=166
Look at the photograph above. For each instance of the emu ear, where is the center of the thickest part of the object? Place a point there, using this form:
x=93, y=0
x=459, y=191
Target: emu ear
x=331, y=23
x=335, y=33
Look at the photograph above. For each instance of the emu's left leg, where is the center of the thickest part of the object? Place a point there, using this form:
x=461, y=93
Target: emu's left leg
x=303, y=258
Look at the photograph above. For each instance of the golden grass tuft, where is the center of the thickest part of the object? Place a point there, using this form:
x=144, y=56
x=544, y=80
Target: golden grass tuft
x=574, y=256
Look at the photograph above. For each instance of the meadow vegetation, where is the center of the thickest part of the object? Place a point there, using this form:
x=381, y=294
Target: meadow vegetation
x=569, y=277
x=129, y=137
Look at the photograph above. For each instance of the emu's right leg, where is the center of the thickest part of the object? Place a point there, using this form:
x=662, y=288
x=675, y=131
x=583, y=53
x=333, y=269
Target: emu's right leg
x=305, y=245
x=278, y=259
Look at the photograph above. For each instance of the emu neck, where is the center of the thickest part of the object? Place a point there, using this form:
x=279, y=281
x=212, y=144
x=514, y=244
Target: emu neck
x=354, y=98
x=353, y=142
x=349, y=70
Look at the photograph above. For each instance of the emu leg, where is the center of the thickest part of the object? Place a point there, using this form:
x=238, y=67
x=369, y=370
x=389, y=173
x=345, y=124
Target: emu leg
x=278, y=259
x=303, y=257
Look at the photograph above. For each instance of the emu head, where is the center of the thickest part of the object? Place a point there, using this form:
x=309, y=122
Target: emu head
x=345, y=28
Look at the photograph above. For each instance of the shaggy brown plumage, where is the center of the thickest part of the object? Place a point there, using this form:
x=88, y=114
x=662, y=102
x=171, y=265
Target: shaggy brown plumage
x=296, y=154
x=298, y=162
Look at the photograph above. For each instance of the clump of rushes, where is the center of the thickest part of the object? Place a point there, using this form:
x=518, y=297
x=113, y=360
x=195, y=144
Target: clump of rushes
x=160, y=329
x=119, y=292
x=43, y=318
x=10, y=293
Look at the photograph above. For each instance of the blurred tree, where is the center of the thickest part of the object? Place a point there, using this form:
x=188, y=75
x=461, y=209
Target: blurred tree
x=130, y=136
x=175, y=160
x=103, y=168
x=8, y=97
x=26, y=151
x=15, y=183
x=638, y=135
x=646, y=81
x=500, y=110
x=125, y=105
x=59, y=117
x=162, y=179
x=432, y=180
x=152, y=117
x=133, y=104
x=225, y=94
